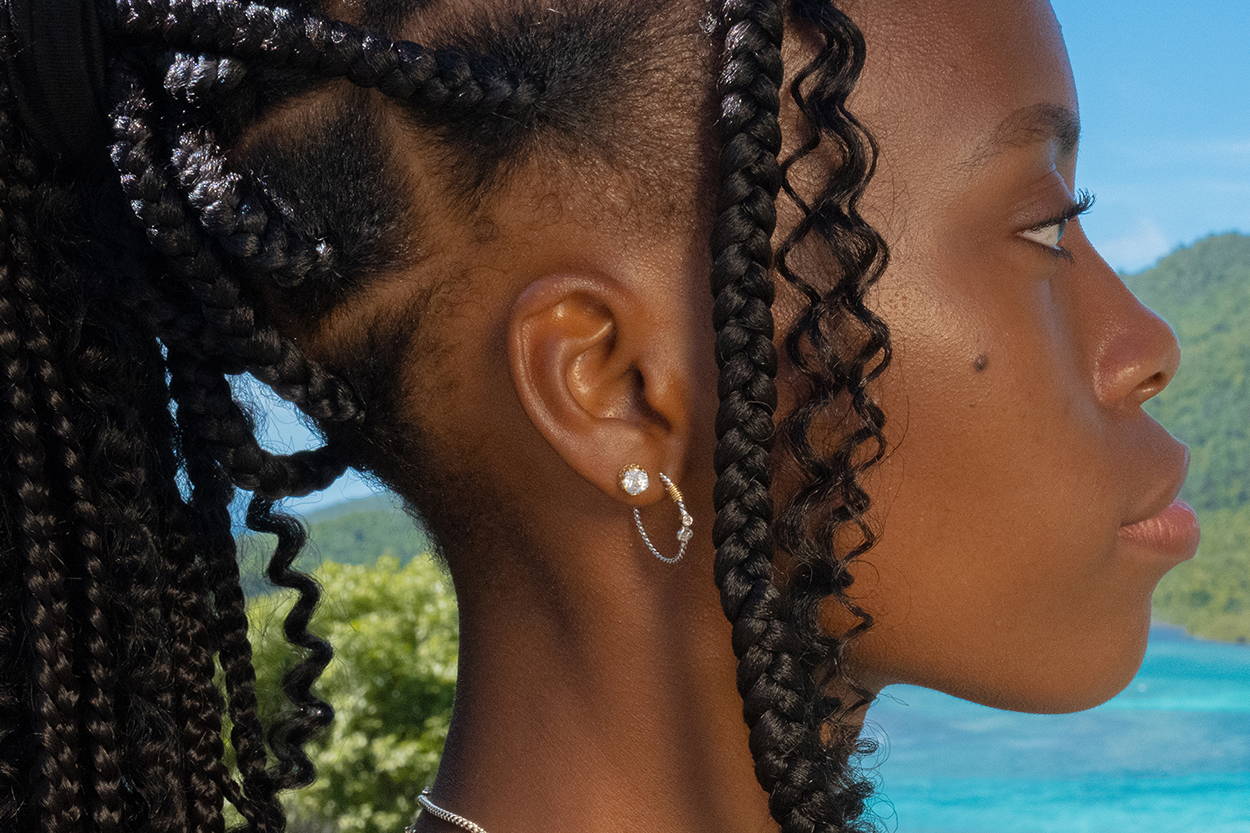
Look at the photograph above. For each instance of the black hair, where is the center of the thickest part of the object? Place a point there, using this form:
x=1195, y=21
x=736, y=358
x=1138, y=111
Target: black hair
x=222, y=247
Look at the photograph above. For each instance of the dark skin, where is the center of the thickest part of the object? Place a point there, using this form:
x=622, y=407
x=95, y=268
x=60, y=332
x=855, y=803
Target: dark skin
x=596, y=685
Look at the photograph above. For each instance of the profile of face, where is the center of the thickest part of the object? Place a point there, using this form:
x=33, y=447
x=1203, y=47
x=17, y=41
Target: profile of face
x=1017, y=444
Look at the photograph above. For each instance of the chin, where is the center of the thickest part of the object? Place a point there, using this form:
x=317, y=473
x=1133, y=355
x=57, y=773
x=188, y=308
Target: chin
x=1054, y=683
x=1074, y=687
x=1041, y=698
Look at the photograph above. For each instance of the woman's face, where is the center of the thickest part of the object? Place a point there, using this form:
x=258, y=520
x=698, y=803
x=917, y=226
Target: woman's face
x=1018, y=444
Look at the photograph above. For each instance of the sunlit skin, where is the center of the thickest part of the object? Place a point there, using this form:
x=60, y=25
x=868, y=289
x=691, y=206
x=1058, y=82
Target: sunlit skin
x=1018, y=383
x=597, y=684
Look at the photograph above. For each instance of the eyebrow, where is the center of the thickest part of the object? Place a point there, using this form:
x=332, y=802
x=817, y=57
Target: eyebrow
x=1029, y=124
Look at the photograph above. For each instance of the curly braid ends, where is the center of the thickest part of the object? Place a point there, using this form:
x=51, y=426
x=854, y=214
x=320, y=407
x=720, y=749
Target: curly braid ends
x=260, y=196
x=786, y=660
x=831, y=343
x=810, y=788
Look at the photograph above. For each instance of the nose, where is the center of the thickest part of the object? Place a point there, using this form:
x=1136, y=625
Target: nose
x=1165, y=348
x=1138, y=351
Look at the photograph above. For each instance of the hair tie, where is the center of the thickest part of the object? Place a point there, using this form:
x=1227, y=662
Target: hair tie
x=54, y=56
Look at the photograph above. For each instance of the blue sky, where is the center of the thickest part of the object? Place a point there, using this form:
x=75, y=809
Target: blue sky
x=1164, y=96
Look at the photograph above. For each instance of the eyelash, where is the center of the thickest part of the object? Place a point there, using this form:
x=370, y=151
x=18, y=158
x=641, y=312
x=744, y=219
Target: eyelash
x=1078, y=207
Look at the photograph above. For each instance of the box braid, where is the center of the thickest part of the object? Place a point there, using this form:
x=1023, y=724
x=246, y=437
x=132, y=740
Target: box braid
x=160, y=586
x=785, y=660
x=93, y=492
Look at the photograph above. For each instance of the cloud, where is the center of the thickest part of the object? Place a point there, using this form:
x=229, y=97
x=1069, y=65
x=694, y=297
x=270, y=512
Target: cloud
x=1136, y=248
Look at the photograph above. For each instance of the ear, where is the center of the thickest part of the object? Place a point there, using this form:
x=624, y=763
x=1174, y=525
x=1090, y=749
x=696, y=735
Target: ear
x=600, y=380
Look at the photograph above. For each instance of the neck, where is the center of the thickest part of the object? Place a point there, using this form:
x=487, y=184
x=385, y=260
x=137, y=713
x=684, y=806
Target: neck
x=621, y=714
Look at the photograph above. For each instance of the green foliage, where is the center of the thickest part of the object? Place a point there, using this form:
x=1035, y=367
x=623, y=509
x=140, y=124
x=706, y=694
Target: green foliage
x=395, y=632
x=1210, y=595
x=352, y=532
x=1203, y=291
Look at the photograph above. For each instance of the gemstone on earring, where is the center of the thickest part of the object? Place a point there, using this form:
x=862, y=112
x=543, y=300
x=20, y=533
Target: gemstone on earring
x=684, y=534
x=686, y=520
x=634, y=479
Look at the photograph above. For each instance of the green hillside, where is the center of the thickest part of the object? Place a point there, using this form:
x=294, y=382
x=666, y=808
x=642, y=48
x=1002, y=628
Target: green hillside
x=1202, y=290
x=352, y=532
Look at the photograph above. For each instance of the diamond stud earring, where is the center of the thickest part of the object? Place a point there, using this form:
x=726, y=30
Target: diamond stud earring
x=634, y=480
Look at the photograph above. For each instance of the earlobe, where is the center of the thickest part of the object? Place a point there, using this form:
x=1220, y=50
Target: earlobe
x=586, y=368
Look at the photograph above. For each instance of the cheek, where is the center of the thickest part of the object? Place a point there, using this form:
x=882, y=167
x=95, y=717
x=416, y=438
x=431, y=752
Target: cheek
x=995, y=510
x=998, y=452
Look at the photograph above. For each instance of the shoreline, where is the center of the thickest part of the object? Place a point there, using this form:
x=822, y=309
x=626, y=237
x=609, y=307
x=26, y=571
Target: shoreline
x=1184, y=631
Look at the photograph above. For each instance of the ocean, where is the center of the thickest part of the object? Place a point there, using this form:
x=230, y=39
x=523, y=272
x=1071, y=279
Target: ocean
x=1168, y=754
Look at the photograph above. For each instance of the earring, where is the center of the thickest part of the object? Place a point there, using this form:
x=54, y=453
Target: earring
x=634, y=480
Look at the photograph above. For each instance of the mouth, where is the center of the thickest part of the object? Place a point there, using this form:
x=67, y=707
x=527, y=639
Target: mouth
x=1168, y=489
x=1171, y=528
x=1174, y=532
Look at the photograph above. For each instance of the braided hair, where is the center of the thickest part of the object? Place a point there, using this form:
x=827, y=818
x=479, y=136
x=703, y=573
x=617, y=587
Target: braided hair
x=208, y=252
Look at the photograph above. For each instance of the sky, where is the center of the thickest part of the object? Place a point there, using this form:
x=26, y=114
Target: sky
x=1163, y=90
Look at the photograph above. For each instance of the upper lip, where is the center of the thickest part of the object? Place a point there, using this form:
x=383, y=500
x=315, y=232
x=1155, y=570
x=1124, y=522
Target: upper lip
x=1171, y=488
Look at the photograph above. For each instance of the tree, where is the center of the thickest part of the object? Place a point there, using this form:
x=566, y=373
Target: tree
x=392, y=682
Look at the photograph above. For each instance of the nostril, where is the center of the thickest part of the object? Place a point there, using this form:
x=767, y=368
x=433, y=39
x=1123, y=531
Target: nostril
x=1151, y=386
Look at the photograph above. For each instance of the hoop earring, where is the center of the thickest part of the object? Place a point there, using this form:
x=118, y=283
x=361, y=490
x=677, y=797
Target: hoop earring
x=634, y=480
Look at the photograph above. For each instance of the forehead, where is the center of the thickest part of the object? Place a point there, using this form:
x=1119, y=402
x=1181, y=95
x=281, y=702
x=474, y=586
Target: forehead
x=942, y=75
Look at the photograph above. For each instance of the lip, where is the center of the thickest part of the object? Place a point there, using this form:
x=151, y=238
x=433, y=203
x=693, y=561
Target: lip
x=1171, y=530
x=1172, y=533
x=1170, y=489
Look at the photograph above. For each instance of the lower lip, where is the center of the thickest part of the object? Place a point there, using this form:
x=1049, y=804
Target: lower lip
x=1173, y=533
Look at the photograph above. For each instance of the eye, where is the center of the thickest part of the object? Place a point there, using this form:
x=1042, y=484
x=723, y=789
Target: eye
x=1048, y=235
x=1050, y=231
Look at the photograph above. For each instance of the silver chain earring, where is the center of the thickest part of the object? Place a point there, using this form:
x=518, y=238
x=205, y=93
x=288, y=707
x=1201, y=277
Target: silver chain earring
x=634, y=480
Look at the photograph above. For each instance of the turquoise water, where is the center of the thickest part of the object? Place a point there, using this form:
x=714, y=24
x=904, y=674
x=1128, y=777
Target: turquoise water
x=1168, y=754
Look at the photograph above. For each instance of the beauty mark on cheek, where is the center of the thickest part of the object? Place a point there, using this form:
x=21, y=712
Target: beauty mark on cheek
x=981, y=361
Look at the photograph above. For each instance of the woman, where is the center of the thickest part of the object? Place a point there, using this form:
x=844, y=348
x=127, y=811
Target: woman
x=479, y=261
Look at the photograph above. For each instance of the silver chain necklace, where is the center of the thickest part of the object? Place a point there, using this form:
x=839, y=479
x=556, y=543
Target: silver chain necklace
x=445, y=815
